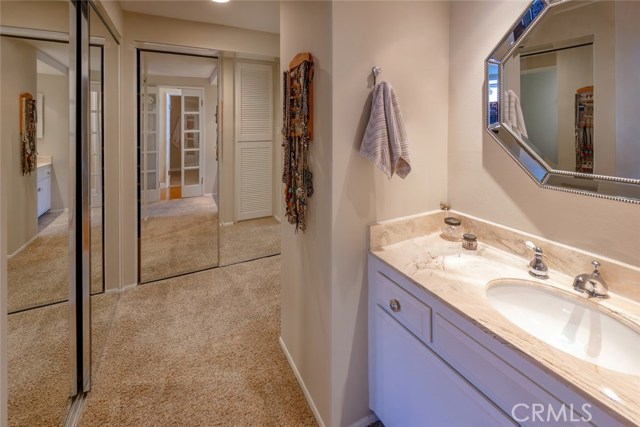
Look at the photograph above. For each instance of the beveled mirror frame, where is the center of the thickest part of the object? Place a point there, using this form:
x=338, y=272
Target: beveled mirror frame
x=607, y=187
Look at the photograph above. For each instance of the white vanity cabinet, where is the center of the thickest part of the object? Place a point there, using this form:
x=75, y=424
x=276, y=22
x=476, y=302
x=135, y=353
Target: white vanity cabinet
x=412, y=387
x=43, y=174
x=431, y=366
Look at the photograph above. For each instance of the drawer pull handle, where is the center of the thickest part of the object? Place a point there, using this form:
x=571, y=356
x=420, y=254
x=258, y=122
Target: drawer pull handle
x=394, y=305
x=39, y=189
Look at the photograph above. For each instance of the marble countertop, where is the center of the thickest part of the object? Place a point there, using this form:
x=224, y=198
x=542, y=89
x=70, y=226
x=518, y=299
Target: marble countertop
x=44, y=161
x=458, y=277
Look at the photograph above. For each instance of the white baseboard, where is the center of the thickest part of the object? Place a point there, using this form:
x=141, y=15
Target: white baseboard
x=307, y=395
x=21, y=248
x=226, y=224
x=364, y=422
x=277, y=218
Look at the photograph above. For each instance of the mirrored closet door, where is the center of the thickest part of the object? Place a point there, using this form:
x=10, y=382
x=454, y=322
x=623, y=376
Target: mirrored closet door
x=35, y=164
x=250, y=164
x=209, y=161
x=178, y=181
x=55, y=241
x=104, y=110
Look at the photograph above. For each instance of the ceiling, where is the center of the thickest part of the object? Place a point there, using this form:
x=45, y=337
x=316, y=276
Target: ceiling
x=260, y=15
x=163, y=64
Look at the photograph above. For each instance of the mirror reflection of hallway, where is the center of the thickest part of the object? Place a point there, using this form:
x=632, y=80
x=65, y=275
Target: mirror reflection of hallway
x=178, y=164
x=38, y=260
x=250, y=170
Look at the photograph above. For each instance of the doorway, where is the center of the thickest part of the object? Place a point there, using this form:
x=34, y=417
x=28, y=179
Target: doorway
x=183, y=129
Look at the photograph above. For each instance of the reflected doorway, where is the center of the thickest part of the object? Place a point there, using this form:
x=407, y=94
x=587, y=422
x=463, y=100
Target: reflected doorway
x=178, y=164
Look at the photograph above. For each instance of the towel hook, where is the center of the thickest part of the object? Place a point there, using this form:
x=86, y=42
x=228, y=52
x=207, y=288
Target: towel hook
x=376, y=72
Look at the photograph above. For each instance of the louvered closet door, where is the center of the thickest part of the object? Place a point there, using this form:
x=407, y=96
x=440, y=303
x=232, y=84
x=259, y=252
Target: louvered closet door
x=254, y=141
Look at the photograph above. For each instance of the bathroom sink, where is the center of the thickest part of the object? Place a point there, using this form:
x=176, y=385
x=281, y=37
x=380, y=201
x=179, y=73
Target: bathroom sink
x=568, y=322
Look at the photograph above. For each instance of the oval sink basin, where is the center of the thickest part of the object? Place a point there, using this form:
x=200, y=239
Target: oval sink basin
x=568, y=323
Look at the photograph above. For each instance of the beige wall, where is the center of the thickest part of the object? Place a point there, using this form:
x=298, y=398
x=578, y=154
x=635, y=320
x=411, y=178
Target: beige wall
x=627, y=88
x=410, y=42
x=144, y=28
x=278, y=186
x=112, y=163
x=575, y=70
x=227, y=150
x=4, y=201
x=19, y=75
x=51, y=15
x=306, y=257
x=358, y=193
x=485, y=182
x=111, y=11
x=55, y=143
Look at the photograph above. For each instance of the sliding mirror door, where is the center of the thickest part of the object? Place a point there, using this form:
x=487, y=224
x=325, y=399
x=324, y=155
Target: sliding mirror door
x=178, y=180
x=104, y=133
x=250, y=167
x=35, y=164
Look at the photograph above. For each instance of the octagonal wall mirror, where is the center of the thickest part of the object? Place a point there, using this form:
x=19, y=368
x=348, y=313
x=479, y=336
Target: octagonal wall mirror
x=562, y=96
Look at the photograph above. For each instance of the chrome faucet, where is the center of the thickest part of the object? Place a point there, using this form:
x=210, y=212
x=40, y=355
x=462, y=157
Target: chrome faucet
x=592, y=284
x=537, y=267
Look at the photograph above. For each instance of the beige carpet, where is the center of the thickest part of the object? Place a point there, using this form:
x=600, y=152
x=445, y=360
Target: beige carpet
x=178, y=236
x=38, y=368
x=199, y=350
x=38, y=274
x=247, y=240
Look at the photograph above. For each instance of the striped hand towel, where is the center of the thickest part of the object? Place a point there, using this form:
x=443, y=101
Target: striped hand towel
x=385, y=141
x=514, y=116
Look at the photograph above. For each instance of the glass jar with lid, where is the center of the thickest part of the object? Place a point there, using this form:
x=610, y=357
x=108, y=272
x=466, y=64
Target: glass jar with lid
x=452, y=230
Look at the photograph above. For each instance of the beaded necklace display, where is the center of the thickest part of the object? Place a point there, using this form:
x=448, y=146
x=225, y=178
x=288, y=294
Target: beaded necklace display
x=297, y=132
x=28, y=119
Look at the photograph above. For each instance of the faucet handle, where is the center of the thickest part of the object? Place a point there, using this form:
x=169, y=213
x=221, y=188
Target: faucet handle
x=533, y=247
x=537, y=267
x=596, y=265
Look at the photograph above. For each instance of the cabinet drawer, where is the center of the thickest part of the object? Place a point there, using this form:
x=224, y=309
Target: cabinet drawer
x=407, y=309
x=503, y=384
x=43, y=172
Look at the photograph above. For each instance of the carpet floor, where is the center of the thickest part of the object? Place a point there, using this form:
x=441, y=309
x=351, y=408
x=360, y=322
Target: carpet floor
x=181, y=236
x=199, y=350
x=38, y=360
x=247, y=240
x=178, y=236
x=38, y=274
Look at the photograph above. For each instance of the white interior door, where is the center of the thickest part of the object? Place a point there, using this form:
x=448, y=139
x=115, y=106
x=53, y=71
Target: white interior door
x=95, y=140
x=254, y=140
x=192, y=140
x=150, y=158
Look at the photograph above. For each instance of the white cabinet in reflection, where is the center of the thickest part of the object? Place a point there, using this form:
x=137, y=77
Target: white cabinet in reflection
x=44, y=189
